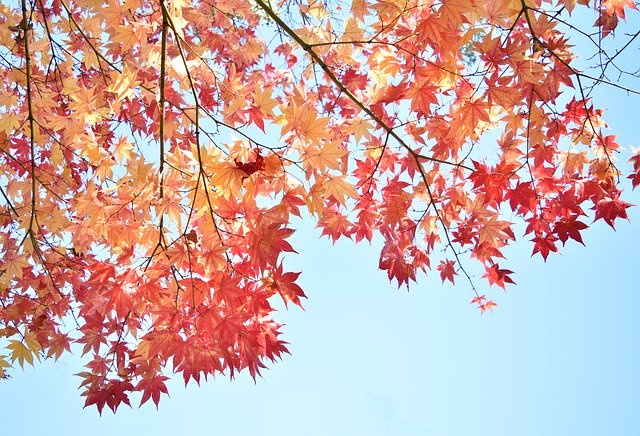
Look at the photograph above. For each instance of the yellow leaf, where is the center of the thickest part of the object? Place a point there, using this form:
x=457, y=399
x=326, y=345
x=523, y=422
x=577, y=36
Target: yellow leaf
x=3, y=364
x=126, y=37
x=122, y=84
x=56, y=158
x=501, y=11
x=329, y=156
x=24, y=352
x=226, y=177
x=123, y=149
x=87, y=106
x=304, y=123
x=315, y=200
x=455, y=11
x=339, y=188
x=8, y=99
x=142, y=352
x=13, y=264
x=9, y=123
x=495, y=232
x=360, y=128
x=262, y=100
x=573, y=162
x=236, y=105
x=31, y=339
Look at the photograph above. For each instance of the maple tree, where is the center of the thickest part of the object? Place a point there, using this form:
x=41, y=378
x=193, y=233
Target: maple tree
x=153, y=154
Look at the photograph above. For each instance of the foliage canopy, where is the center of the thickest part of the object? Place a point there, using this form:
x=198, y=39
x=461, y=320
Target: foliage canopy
x=153, y=154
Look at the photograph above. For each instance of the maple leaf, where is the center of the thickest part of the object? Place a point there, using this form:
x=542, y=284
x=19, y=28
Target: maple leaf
x=544, y=244
x=58, y=345
x=334, y=224
x=471, y=114
x=447, y=270
x=339, y=189
x=286, y=286
x=635, y=176
x=304, y=123
x=522, y=198
x=489, y=305
x=228, y=177
x=267, y=242
x=264, y=105
x=483, y=304
x=569, y=229
x=608, y=23
x=479, y=300
x=25, y=350
x=453, y=11
x=152, y=388
x=397, y=262
x=495, y=275
x=330, y=155
x=4, y=364
x=9, y=122
x=251, y=167
x=617, y=7
x=611, y=208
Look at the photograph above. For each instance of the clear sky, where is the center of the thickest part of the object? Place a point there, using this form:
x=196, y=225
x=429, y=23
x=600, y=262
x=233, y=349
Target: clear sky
x=560, y=356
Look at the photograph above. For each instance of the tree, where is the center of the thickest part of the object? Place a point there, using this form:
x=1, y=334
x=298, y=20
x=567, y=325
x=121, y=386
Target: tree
x=154, y=153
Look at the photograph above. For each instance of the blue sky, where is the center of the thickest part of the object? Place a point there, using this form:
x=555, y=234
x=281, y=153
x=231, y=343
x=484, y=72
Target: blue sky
x=560, y=356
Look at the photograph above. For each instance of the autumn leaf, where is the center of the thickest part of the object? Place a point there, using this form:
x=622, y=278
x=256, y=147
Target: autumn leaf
x=263, y=100
x=227, y=177
x=471, y=114
x=635, y=175
x=304, y=123
x=24, y=350
x=569, y=229
x=152, y=388
x=9, y=123
x=617, y=7
x=267, y=242
x=496, y=275
x=339, y=189
x=285, y=284
x=489, y=305
x=545, y=244
x=609, y=209
x=4, y=364
x=447, y=271
x=453, y=11
x=329, y=156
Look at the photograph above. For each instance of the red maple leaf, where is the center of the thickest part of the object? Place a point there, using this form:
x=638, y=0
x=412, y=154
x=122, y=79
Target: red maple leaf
x=489, y=305
x=479, y=299
x=152, y=388
x=497, y=276
x=393, y=260
x=447, y=270
x=267, y=242
x=569, y=229
x=611, y=208
x=544, y=244
x=286, y=286
x=635, y=175
x=522, y=198
x=251, y=167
